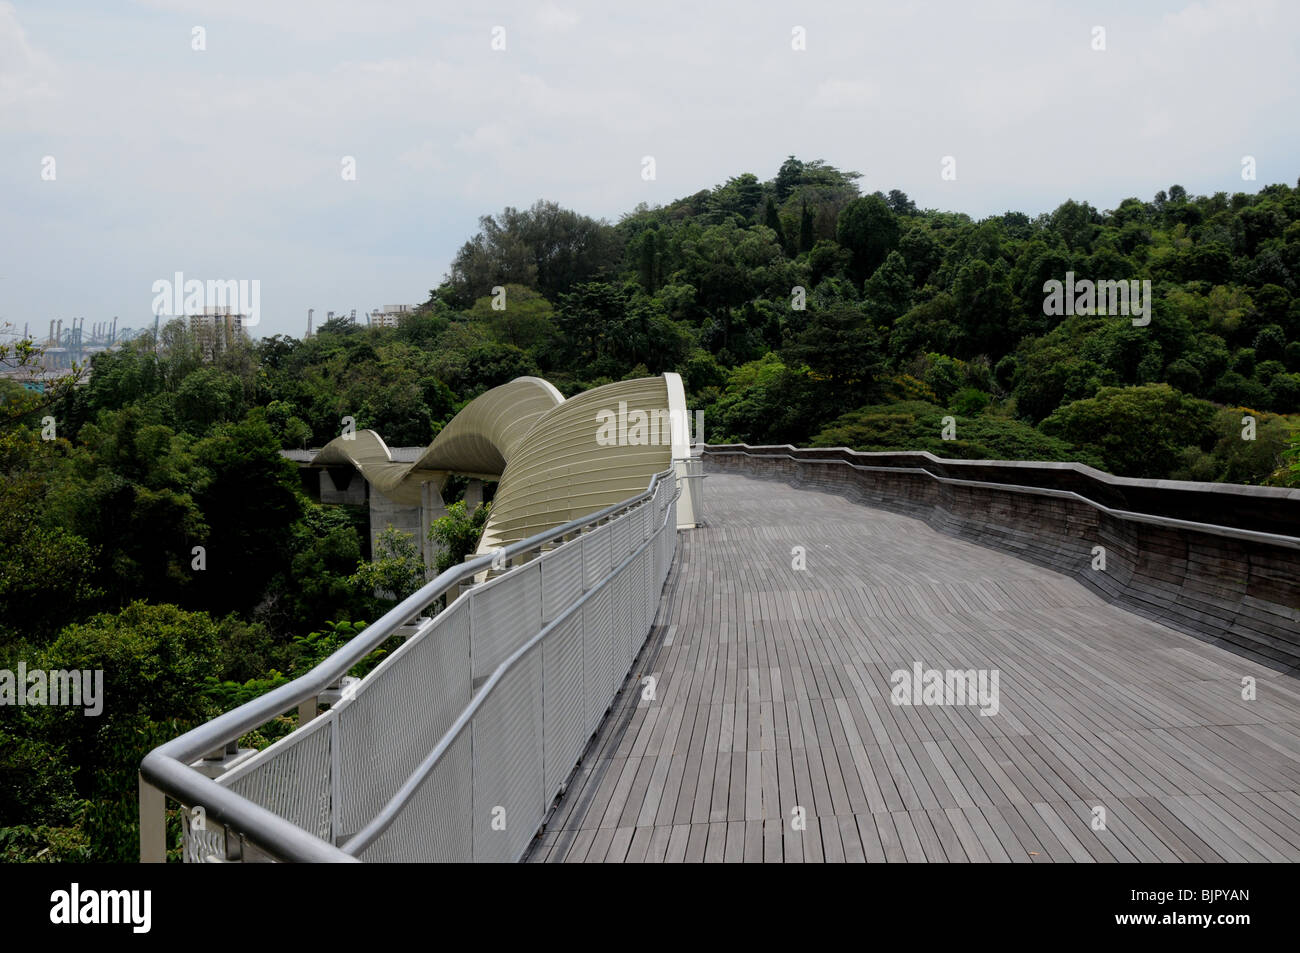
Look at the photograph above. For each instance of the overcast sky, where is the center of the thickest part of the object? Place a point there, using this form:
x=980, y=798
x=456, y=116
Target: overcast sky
x=226, y=162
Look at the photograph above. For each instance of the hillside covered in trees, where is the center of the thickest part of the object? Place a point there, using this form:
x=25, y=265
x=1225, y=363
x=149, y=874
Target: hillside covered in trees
x=797, y=310
x=800, y=311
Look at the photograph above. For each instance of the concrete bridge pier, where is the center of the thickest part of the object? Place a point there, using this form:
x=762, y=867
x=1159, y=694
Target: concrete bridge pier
x=431, y=508
x=413, y=519
x=473, y=495
x=384, y=512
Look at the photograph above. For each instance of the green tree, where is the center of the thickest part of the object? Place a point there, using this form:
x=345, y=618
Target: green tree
x=763, y=402
x=47, y=571
x=397, y=570
x=544, y=247
x=888, y=292
x=1288, y=474
x=458, y=533
x=918, y=425
x=773, y=221
x=155, y=662
x=807, y=237
x=207, y=396
x=1138, y=431
x=842, y=349
x=868, y=228
x=250, y=499
x=524, y=321
x=789, y=175
x=129, y=494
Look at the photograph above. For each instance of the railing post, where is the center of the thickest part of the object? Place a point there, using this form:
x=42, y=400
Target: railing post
x=307, y=710
x=153, y=824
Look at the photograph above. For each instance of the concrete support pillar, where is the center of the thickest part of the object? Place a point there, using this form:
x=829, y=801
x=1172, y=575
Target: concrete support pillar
x=153, y=824
x=384, y=512
x=431, y=508
x=473, y=495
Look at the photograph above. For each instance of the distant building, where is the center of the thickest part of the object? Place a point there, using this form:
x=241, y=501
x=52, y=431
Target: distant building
x=217, y=329
x=390, y=315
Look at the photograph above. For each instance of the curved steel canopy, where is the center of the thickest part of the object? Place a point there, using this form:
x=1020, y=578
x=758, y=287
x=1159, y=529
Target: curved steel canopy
x=556, y=459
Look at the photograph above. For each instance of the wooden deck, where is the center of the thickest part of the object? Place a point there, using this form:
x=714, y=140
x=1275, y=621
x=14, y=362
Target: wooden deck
x=773, y=692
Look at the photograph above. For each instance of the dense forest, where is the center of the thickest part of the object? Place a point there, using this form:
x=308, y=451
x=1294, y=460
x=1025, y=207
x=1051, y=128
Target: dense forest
x=797, y=310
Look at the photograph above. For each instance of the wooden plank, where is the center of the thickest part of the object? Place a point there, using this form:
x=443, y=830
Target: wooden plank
x=677, y=841
x=716, y=850
x=735, y=849
x=888, y=838
x=619, y=845
x=639, y=848
x=753, y=841
x=657, y=852
x=695, y=843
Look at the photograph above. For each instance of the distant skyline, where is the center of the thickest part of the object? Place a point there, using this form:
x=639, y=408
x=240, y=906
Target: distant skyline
x=227, y=162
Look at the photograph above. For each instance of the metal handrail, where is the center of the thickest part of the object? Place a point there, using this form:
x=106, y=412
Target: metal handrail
x=167, y=767
x=1258, y=508
x=1092, y=473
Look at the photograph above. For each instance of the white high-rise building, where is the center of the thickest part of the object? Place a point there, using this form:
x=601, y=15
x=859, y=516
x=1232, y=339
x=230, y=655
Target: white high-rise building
x=217, y=328
x=390, y=314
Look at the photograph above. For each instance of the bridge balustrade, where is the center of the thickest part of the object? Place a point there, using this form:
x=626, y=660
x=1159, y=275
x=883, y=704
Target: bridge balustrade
x=456, y=745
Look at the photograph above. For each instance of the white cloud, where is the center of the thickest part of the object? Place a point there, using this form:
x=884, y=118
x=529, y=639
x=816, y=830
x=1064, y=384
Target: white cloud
x=487, y=140
x=847, y=96
x=26, y=75
x=427, y=157
x=552, y=17
x=246, y=137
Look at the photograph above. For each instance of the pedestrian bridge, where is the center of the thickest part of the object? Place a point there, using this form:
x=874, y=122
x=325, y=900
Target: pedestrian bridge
x=788, y=682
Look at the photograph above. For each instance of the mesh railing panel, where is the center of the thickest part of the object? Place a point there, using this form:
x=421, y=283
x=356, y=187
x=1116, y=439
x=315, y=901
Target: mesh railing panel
x=506, y=613
x=291, y=778
x=622, y=541
x=670, y=541
x=623, y=602
x=436, y=825
x=201, y=844
x=336, y=774
x=561, y=580
x=598, y=650
x=565, y=704
x=645, y=594
x=653, y=557
x=423, y=687
x=596, y=557
x=507, y=733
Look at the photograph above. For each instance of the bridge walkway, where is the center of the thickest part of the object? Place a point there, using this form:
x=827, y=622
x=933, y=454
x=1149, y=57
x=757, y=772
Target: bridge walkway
x=772, y=699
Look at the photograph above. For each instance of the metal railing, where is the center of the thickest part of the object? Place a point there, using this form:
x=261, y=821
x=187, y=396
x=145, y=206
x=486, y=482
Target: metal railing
x=456, y=745
x=691, y=475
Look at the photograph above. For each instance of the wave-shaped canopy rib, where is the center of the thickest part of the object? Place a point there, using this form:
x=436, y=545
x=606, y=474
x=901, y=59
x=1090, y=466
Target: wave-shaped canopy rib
x=479, y=441
x=563, y=469
x=555, y=458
